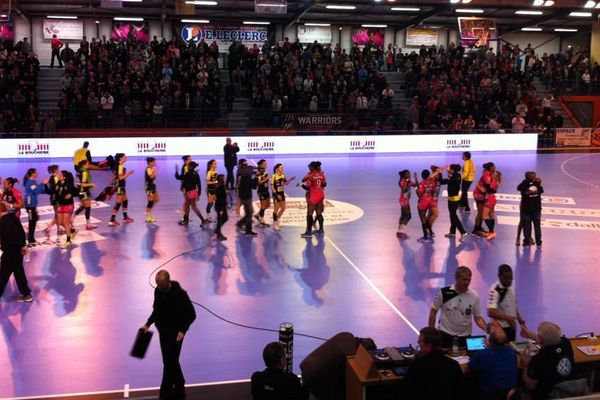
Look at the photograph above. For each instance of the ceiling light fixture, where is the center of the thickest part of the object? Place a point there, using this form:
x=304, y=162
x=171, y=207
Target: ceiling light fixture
x=338, y=7
x=133, y=19
x=470, y=10
x=201, y=3
x=565, y=30
x=531, y=29
x=590, y=4
x=256, y=23
x=545, y=3
x=580, y=14
x=195, y=21
x=405, y=9
x=61, y=17
x=528, y=12
x=373, y=26
x=316, y=24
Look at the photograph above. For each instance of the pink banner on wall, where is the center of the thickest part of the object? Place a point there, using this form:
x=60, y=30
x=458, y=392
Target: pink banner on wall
x=125, y=30
x=7, y=32
x=364, y=36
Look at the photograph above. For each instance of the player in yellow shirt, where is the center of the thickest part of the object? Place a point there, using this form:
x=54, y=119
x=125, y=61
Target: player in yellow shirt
x=211, y=186
x=468, y=175
x=121, y=176
x=151, y=193
x=278, y=184
x=86, y=185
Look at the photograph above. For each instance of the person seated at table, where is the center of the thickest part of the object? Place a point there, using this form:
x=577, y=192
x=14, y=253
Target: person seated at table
x=552, y=364
x=324, y=370
x=496, y=365
x=274, y=383
x=432, y=375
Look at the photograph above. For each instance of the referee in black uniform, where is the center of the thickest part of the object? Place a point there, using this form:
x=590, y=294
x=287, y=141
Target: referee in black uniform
x=173, y=313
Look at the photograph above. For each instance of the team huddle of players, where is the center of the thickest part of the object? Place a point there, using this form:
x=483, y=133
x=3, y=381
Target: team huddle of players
x=247, y=179
x=428, y=191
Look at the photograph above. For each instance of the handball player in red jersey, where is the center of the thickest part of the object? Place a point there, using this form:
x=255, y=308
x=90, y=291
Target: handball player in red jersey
x=486, y=187
x=314, y=183
x=425, y=191
x=405, y=188
x=491, y=183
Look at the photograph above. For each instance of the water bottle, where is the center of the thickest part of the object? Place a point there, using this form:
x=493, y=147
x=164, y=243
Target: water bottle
x=455, y=346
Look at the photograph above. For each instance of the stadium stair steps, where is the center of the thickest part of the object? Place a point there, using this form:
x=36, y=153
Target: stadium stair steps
x=541, y=93
x=48, y=90
x=238, y=118
x=396, y=81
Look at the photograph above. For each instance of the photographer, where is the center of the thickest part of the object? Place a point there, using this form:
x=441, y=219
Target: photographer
x=230, y=157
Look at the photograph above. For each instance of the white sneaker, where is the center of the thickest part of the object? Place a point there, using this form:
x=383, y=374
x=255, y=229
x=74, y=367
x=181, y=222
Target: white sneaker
x=276, y=226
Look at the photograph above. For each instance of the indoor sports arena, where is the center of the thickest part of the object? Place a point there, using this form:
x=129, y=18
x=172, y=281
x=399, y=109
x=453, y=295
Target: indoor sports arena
x=299, y=199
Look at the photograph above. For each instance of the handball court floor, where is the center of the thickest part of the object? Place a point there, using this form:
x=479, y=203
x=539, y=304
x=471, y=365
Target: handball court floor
x=90, y=300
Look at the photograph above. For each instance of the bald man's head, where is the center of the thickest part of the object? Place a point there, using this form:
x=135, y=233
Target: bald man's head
x=163, y=281
x=497, y=336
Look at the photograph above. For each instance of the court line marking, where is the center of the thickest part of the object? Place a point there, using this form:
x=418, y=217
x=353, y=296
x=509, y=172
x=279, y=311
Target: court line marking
x=80, y=394
x=375, y=288
x=564, y=171
x=546, y=199
x=570, y=224
x=553, y=211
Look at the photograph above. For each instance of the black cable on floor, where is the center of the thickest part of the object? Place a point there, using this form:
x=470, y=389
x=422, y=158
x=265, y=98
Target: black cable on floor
x=256, y=328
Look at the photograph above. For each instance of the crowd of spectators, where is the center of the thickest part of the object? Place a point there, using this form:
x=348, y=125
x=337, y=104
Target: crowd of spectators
x=290, y=77
x=160, y=84
x=19, y=68
x=453, y=89
x=172, y=83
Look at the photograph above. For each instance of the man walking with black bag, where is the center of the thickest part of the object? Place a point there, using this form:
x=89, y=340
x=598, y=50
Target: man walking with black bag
x=13, y=245
x=173, y=313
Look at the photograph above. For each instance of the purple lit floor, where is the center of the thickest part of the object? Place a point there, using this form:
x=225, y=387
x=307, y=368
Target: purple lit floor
x=90, y=299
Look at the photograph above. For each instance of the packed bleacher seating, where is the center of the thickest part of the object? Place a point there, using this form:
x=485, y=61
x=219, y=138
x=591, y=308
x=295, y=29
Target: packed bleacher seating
x=453, y=89
x=19, y=68
x=161, y=84
x=315, y=78
x=174, y=84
